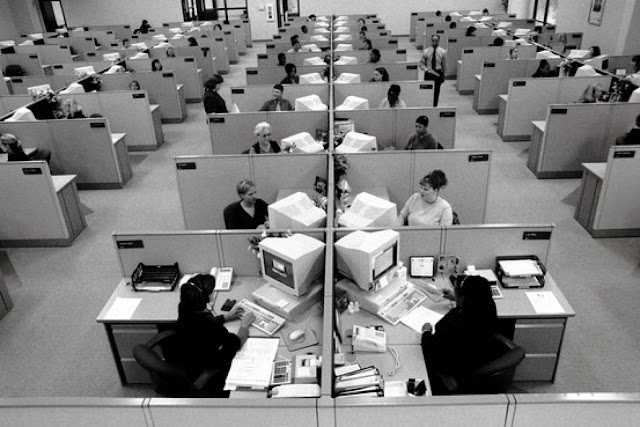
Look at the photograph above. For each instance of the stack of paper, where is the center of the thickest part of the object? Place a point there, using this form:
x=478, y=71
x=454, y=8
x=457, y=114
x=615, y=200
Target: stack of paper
x=252, y=365
x=366, y=381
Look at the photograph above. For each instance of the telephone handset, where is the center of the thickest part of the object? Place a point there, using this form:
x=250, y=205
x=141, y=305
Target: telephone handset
x=369, y=339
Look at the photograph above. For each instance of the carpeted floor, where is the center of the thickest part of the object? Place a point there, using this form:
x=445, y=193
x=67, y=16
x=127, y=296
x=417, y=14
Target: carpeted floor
x=51, y=345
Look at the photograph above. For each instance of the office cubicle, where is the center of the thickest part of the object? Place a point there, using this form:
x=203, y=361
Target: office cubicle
x=9, y=103
x=362, y=56
x=21, y=85
x=413, y=93
x=253, y=97
x=186, y=72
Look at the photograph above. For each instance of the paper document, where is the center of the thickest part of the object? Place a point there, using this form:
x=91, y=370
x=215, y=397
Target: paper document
x=521, y=267
x=252, y=365
x=544, y=302
x=123, y=308
x=419, y=316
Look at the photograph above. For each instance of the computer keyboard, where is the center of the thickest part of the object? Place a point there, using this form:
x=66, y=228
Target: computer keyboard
x=266, y=321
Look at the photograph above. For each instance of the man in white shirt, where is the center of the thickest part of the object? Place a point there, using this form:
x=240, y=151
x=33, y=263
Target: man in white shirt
x=433, y=63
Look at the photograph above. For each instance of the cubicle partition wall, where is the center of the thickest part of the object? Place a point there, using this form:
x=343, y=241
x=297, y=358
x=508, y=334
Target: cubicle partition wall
x=9, y=103
x=83, y=147
x=576, y=133
x=274, y=74
x=615, y=64
x=362, y=56
x=186, y=72
x=29, y=62
x=232, y=133
x=400, y=172
x=397, y=71
x=21, y=85
x=494, y=81
x=528, y=100
x=67, y=68
x=207, y=184
x=413, y=93
x=48, y=54
x=393, y=127
x=253, y=97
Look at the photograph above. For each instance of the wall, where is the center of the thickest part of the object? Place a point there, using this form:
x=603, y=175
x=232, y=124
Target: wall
x=107, y=12
x=611, y=35
x=26, y=16
x=7, y=28
x=632, y=44
x=394, y=13
x=260, y=28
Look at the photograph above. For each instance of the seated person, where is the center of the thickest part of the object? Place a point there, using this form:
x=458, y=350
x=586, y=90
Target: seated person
x=343, y=189
x=156, y=65
x=304, y=29
x=170, y=52
x=202, y=341
x=134, y=85
x=144, y=27
x=634, y=77
x=12, y=146
x=545, y=70
x=380, y=74
x=498, y=41
x=593, y=93
x=426, y=207
x=213, y=102
x=70, y=110
x=311, y=18
x=277, y=103
x=632, y=137
x=470, y=32
x=374, y=56
x=292, y=75
x=296, y=46
x=453, y=25
x=192, y=41
x=264, y=143
x=282, y=59
x=422, y=139
x=456, y=347
x=366, y=45
x=392, y=100
x=247, y=213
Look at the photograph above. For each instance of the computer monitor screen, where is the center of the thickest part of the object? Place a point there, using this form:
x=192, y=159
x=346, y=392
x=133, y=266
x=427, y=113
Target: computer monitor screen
x=384, y=261
x=278, y=269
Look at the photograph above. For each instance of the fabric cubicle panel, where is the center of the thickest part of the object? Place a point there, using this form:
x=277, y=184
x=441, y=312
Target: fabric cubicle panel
x=387, y=55
x=185, y=70
x=621, y=119
x=66, y=68
x=162, y=90
x=36, y=134
x=494, y=81
x=413, y=93
x=468, y=175
x=442, y=124
x=20, y=85
x=118, y=81
x=287, y=123
x=251, y=98
x=471, y=63
x=274, y=74
x=48, y=54
x=528, y=100
x=87, y=101
x=11, y=102
x=29, y=62
x=29, y=205
x=572, y=88
x=135, y=120
x=397, y=71
x=379, y=123
x=294, y=171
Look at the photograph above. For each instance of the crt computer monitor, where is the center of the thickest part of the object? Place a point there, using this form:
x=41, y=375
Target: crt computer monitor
x=292, y=264
x=370, y=259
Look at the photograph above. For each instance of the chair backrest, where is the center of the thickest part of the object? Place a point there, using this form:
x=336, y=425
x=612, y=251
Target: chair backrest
x=496, y=375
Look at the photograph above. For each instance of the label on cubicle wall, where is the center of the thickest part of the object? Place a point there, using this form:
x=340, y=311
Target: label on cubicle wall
x=252, y=71
x=237, y=90
x=426, y=86
x=130, y=244
x=447, y=114
x=216, y=120
x=412, y=67
x=58, y=66
x=576, y=35
x=32, y=171
x=478, y=158
x=277, y=37
x=186, y=165
x=263, y=56
x=271, y=46
x=467, y=51
x=189, y=59
x=33, y=56
x=624, y=154
x=453, y=40
x=137, y=95
x=167, y=75
x=14, y=80
x=89, y=39
x=62, y=46
x=439, y=31
x=519, y=83
x=98, y=125
x=429, y=25
x=127, y=26
x=489, y=65
x=558, y=111
x=393, y=41
x=401, y=51
x=91, y=54
x=536, y=235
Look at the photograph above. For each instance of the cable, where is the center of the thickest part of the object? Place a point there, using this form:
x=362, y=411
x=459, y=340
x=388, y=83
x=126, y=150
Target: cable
x=396, y=361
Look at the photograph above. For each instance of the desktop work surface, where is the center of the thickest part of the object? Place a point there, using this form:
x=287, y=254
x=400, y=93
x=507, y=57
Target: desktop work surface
x=157, y=311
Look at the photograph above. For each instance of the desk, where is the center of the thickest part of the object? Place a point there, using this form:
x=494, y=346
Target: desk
x=539, y=334
x=158, y=311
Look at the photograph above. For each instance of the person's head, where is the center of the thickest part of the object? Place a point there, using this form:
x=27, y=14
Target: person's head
x=192, y=41
x=156, y=65
x=498, y=41
x=171, y=52
x=282, y=59
x=277, y=91
x=431, y=184
x=364, y=29
x=485, y=11
x=435, y=40
x=593, y=93
x=438, y=13
x=362, y=35
x=374, y=56
x=473, y=296
x=194, y=294
x=246, y=191
x=594, y=51
x=213, y=84
x=217, y=27
x=367, y=44
x=514, y=53
x=544, y=66
x=361, y=21
x=144, y=23
x=422, y=123
x=636, y=63
x=312, y=17
x=453, y=25
x=134, y=85
x=70, y=106
x=471, y=31
x=380, y=74
x=304, y=29
x=327, y=59
x=290, y=69
x=295, y=42
x=393, y=94
x=9, y=143
x=263, y=133
x=447, y=18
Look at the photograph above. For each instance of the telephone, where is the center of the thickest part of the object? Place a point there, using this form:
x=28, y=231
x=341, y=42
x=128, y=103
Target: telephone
x=224, y=277
x=369, y=339
x=448, y=265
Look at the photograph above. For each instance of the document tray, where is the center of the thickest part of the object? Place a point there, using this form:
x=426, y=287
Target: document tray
x=155, y=278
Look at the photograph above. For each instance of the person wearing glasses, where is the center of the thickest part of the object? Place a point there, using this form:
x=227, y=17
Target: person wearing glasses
x=426, y=207
x=264, y=144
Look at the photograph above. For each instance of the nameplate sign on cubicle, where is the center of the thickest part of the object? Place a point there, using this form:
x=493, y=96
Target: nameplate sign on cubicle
x=32, y=171
x=130, y=244
x=489, y=65
x=519, y=83
x=478, y=158
x=558, y=111
x=137, y=95
x=467, y=51
x=237, y=91
x=189, y=59
x=97, y=125
x=426, y=86
x=453, y=40
x=186, y=165
x=624, y=154
x=447, y=114
x=167, y=75
x=58, y=67
x=216, y=120
x=536, y=235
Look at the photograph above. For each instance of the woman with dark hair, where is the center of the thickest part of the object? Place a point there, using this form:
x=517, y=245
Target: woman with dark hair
x=458, y=344
x=204, y=341
x=380, y=74
x=471, y=31
x=156, y=65
x=192, y=41
x=374, y=56
x=213, y=102
x=392, y=100
x=144, y=27
x=292, y=77
x=426, y=207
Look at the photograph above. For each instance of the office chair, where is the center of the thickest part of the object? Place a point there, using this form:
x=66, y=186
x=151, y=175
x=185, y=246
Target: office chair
x=495, y=376
x=170, y=378
x=456, y=218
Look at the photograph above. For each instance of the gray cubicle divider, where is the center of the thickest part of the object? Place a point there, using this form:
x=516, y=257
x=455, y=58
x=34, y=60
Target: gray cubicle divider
x=559, y=153
x=362, y=56
x=186, y=72
x=66, y=68
x=29, y=62
x=251, y=98
x=9, y=103
x=66, y=411
x=232, y=133
x=400, y=172
x=618, y=203
x=528, y=100
x=473, y=59
x=583, y=409
x=48, y=54
x=393, y=127
x=413, y=93
x=619, y=62
x=161, y=87
x=203, y=56
x=83, y=147
x=20, y=85
x=274, y=74
x=494, y=81
x=207, y=184
x=397, y=71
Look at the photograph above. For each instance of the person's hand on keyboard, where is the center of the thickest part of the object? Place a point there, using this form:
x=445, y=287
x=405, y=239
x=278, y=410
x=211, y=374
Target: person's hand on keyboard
x=248, y=318
x=235, y=313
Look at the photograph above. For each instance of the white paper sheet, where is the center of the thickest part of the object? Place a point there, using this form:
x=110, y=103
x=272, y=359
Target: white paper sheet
x=252, y=365
x=123, y=308
x=419, y=316
x=544, y=302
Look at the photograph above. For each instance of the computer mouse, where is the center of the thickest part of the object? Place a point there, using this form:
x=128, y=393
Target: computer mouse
x=296, y=335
